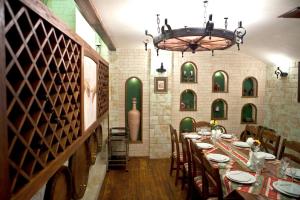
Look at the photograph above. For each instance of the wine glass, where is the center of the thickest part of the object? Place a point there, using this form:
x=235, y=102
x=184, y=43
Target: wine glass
x=259, y=162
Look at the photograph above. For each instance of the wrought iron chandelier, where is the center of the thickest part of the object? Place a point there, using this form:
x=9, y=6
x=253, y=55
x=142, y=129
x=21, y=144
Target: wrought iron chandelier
x=189, y=39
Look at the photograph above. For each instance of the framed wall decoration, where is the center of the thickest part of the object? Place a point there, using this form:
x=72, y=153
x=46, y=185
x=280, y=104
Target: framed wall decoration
x=160, y=84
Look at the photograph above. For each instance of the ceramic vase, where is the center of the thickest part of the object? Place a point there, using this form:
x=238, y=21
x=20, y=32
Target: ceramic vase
x=134, y=121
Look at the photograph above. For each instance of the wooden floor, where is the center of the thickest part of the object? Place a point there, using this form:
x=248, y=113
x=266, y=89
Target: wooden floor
x=145, y=180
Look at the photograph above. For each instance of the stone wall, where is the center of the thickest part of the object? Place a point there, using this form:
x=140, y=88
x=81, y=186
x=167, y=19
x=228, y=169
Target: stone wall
x=123, y=65
x=159, y=110
x=281, y=106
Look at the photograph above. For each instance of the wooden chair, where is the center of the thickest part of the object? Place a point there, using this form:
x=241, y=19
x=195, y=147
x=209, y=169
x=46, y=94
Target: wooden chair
x=290, y=149
x=269, y=141
x=187, y=176
x=250, y=131
x=211, y=181
x=196, y=188
x=176, y=156
x=200, y=124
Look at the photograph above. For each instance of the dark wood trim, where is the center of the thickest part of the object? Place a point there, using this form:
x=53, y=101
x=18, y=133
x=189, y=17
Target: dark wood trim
x=4, y=178
x=90, y=13
x=299, y=82
x=225, y=109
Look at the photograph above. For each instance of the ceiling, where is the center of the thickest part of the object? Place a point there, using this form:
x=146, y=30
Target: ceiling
x=268, y=37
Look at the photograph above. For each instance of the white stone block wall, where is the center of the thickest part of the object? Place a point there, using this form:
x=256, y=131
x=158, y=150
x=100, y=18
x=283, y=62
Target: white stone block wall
x=281, y=106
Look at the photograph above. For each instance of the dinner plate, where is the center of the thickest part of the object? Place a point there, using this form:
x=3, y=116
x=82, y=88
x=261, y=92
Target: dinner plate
x=288, y=172
x=240, y=177
x=205, y=133
x=226, y=136
x=192, y=136
x=241, y=144
x=267, y=156
x=286, y=187
x=217, y=157
x=203, y=145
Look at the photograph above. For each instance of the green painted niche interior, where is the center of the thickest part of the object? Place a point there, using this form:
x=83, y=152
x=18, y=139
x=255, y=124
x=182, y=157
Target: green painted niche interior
x=218, y=109
x=188, y=73
x=188, y=100
x=133, y=89
x=219, y=81
x=248, y=114
x=186, y=124
x=248, y=87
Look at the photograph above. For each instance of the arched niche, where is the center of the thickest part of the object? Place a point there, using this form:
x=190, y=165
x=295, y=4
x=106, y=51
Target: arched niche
x=250, y=87
x=219, y=109
x=134, y=89
x=249, y=114
x=188, y=72
x=220, y=81
x=188, y=100
x=186, y=124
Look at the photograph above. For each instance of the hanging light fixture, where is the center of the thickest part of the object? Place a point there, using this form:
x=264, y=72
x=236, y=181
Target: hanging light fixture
x=189, y=39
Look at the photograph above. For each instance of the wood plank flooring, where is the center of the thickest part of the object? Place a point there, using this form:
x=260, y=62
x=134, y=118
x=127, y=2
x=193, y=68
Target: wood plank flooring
x=146, y=179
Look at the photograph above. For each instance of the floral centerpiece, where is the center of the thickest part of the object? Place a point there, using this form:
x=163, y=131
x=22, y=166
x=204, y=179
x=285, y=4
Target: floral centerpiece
x=213, y=124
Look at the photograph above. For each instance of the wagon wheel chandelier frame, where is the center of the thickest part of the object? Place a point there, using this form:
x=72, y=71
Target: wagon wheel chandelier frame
x=191, y=39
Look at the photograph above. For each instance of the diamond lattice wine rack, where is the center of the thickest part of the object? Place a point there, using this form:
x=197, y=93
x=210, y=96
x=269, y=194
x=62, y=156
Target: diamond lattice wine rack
x=42, y=92
x=103, y=81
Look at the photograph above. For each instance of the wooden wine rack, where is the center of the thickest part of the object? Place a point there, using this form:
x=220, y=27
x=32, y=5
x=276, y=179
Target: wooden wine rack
x=103, y=82
x=42, y=92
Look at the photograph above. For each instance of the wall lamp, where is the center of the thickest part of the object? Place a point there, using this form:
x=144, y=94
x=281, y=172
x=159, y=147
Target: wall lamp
x=161, y=69
x=280, y=73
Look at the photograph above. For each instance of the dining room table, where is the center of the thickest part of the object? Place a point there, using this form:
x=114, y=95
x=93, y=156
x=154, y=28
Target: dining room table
x=262, y=188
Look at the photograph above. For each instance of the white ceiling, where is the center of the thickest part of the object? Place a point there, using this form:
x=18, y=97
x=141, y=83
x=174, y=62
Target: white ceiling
x=268, y=37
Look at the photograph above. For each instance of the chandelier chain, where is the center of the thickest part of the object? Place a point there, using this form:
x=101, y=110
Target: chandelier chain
x=158, y=22
x=205, y=12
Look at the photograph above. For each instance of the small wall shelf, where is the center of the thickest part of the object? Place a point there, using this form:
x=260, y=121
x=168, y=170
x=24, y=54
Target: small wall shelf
x=188, y=72
x=250, y=87
x=248, y=114
x=186, y=124
x=220, y=82
x=188, y=100
x=219, y=109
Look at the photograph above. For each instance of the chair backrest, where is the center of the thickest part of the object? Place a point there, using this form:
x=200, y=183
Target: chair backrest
x=210, y=177
x=196, y=161
x=222, y=128
x=250, y=131
x=200, y=124
x=290, y=149
x=187, y=144
x=175, y=142
x=270, y=141
x=184, y=148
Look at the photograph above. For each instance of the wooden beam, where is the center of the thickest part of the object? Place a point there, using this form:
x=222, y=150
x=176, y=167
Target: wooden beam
x=89, y=12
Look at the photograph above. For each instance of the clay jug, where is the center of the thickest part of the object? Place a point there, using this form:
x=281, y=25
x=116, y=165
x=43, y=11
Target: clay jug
x=134, y=121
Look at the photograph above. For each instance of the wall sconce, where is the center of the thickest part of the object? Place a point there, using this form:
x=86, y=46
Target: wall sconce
x=280, y=73
x=161, y=69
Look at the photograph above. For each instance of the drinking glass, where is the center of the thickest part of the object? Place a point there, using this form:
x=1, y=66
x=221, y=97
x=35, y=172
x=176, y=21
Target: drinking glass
x=284, y=163
x=293, y=173
x=259, y=162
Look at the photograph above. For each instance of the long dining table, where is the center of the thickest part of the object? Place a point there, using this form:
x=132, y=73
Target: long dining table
x=239, y=157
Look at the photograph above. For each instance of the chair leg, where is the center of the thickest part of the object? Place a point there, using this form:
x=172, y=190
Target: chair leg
x=177, y=173
x=183, y=179
x=171, y=165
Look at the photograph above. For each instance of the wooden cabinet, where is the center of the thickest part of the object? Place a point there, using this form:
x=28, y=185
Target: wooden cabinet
x=41, y=96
